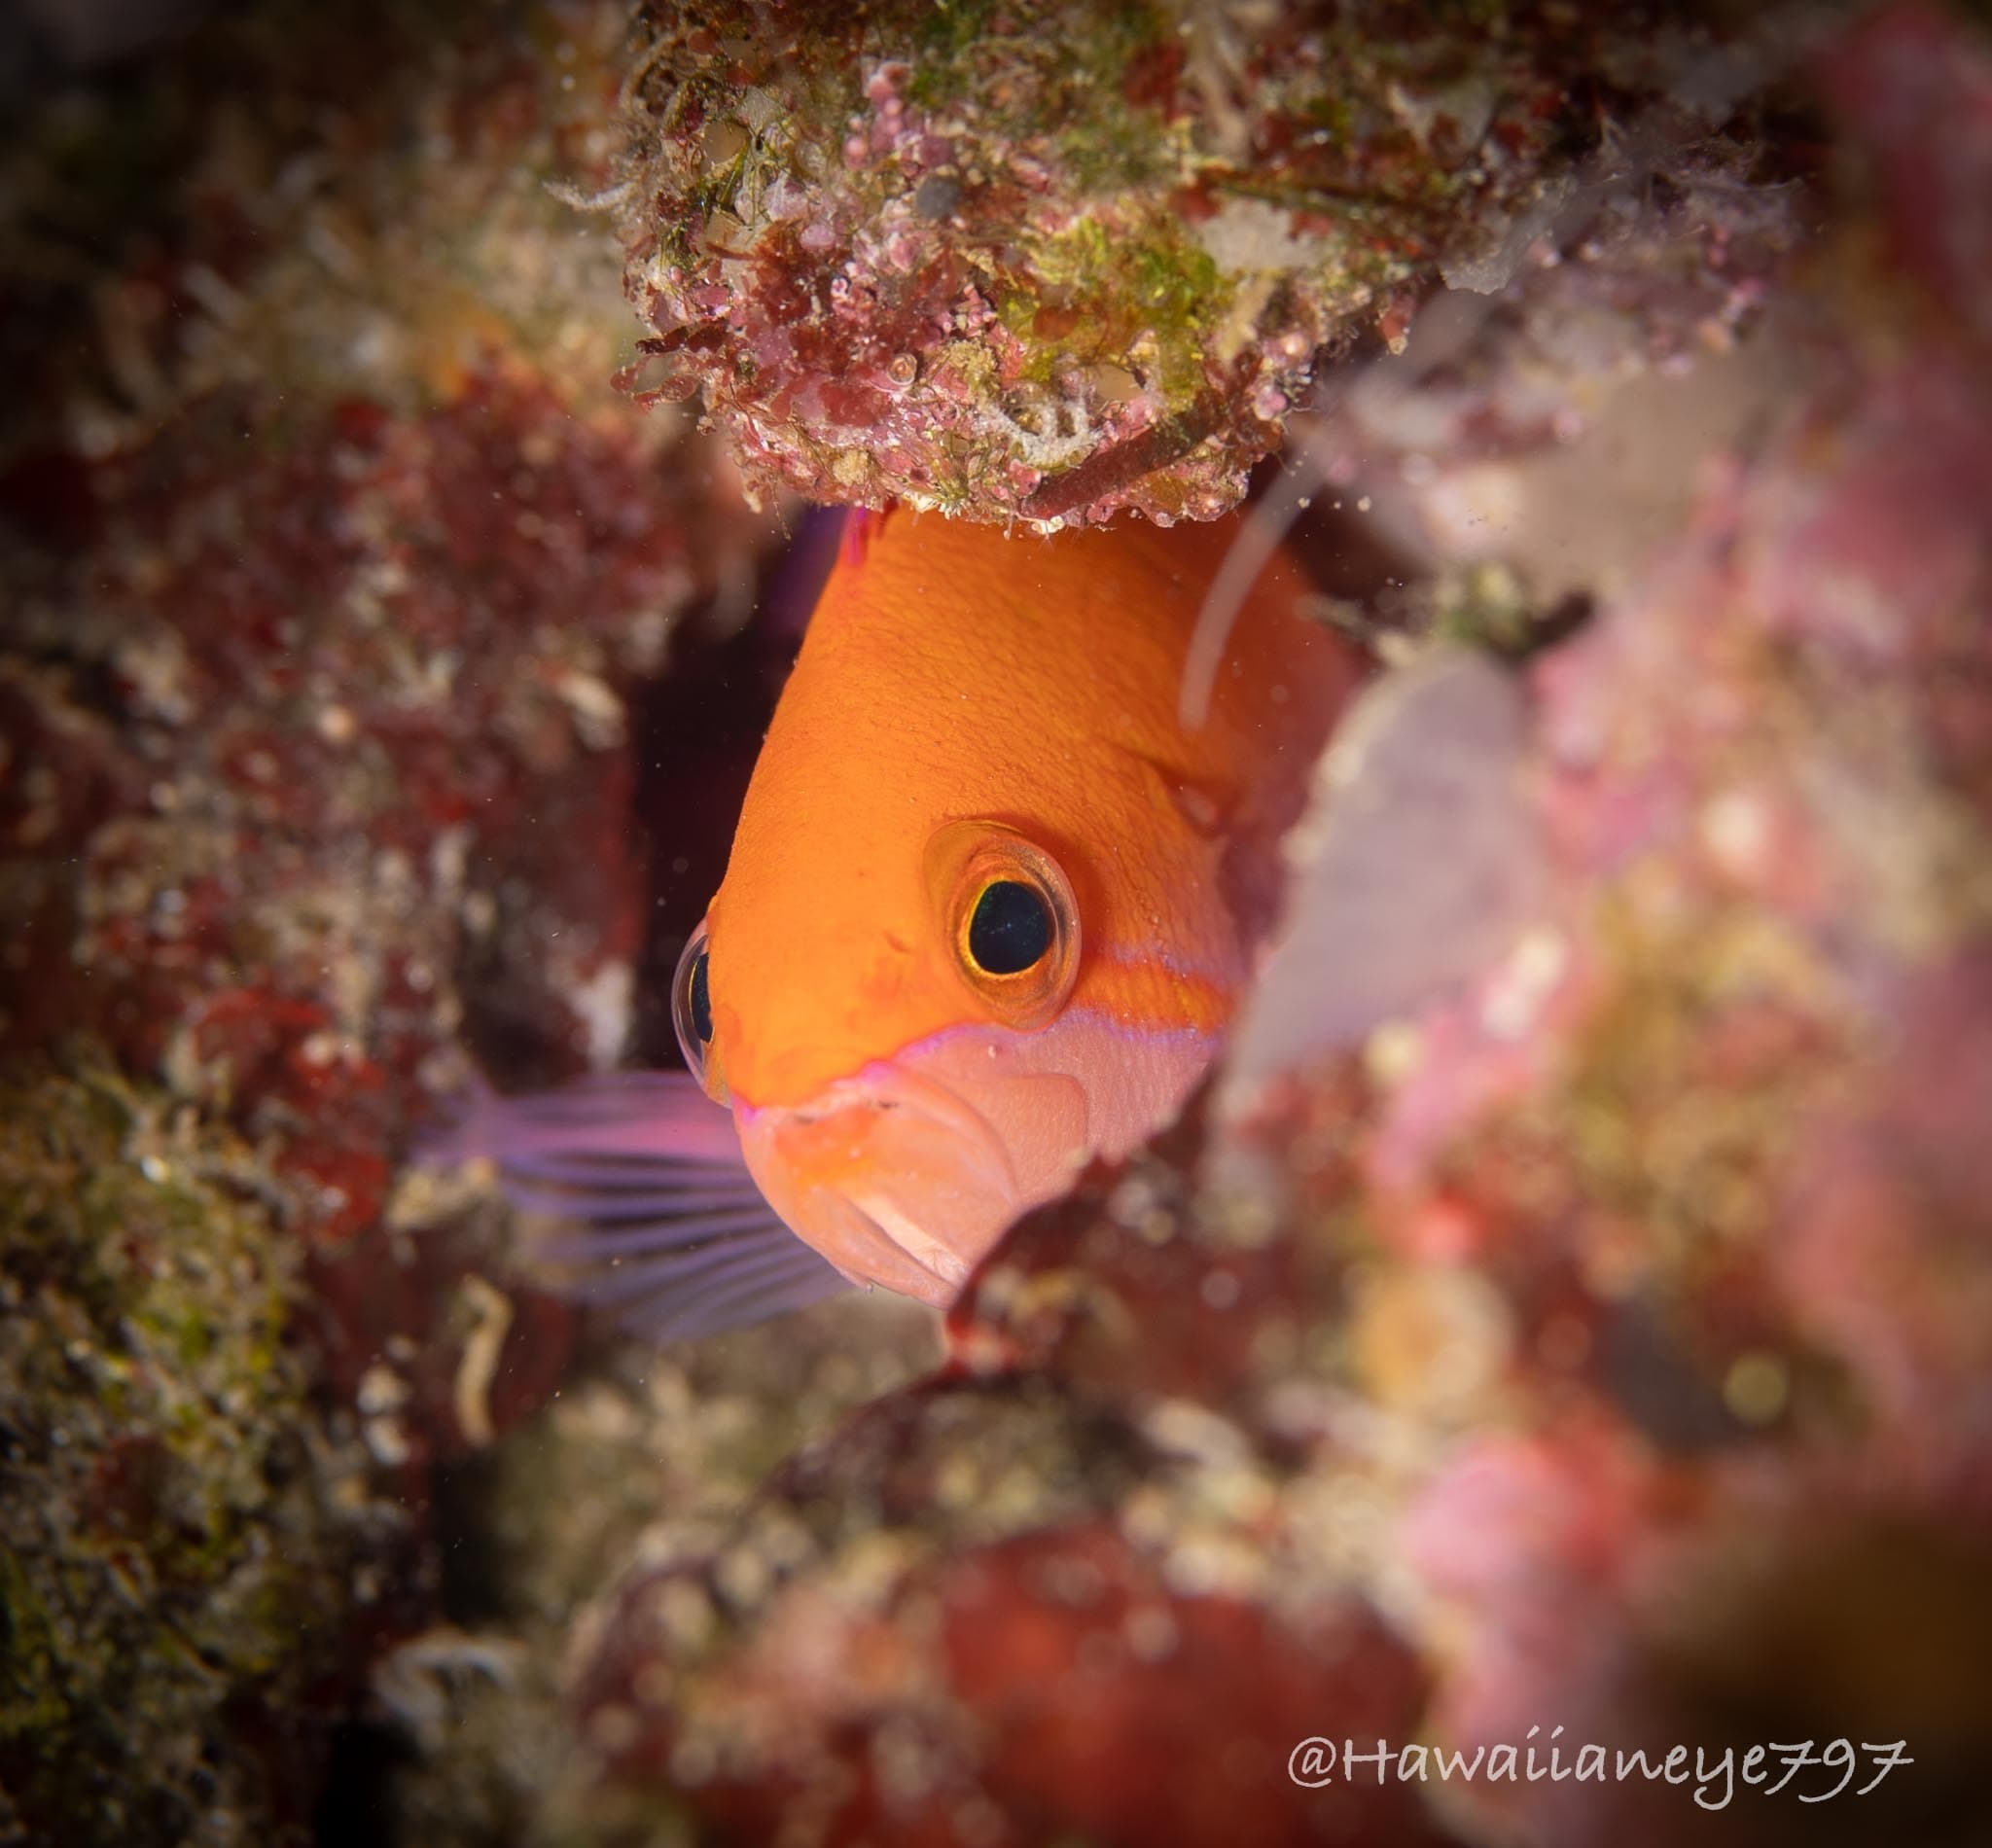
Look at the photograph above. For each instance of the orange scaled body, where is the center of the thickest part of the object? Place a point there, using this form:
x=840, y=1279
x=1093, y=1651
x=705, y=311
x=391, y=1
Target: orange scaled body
x=968, y=707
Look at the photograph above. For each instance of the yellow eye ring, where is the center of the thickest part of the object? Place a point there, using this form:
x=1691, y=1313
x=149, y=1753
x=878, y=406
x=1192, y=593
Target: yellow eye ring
x=1009, y=916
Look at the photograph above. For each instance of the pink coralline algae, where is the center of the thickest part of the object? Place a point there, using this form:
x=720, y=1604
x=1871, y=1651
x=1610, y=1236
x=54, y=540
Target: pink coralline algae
x=1050, y=261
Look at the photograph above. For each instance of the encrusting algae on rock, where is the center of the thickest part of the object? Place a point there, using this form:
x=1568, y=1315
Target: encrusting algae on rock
x=177, y=1539
x=1052, y=259
x=328, y=556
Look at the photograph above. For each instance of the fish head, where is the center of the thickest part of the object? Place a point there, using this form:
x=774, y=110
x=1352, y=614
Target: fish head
x=916, y=1074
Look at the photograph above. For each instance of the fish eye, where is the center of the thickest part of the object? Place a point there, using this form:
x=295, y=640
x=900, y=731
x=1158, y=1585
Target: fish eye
x=1009, y=929
x=1008, y=911
x=699, y=995
x=692, y=1010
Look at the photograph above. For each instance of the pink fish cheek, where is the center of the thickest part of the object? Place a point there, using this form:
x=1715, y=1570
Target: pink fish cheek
x=1040, y=1118
x=1085, y=1086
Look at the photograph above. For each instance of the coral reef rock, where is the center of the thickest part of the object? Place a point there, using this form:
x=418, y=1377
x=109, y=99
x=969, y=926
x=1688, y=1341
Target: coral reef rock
x=1052, y=258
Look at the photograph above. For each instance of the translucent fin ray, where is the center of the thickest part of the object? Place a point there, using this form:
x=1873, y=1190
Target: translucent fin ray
x=664, y=1223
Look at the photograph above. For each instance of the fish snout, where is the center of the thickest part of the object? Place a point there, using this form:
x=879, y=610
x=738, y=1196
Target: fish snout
x=892, y=1177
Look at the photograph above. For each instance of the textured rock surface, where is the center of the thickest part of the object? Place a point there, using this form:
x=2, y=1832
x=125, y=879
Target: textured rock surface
x=1052, y=261
x=329, y=553
x=174, y=1558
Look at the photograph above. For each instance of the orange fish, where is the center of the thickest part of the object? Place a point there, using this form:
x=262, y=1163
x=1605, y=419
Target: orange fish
x=990, y=907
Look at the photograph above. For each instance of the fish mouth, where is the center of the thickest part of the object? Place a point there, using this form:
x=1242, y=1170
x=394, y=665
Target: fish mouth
x=896, y=1175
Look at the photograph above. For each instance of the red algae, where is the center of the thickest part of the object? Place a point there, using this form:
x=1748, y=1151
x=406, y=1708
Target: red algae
x=338, y=659
x=1052, y=261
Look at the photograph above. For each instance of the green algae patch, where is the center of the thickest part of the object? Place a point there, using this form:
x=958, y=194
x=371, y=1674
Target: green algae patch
x=167, y=1561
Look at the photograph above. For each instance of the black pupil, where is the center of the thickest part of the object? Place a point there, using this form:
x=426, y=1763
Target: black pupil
x=699, y=1000
x=1011, y=930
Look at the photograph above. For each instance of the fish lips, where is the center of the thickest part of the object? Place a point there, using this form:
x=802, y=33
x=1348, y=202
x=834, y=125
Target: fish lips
x=907, y=1174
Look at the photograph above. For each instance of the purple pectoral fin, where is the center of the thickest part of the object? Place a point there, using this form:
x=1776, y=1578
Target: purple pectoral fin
x=729, y=1283
x=667, y=1225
